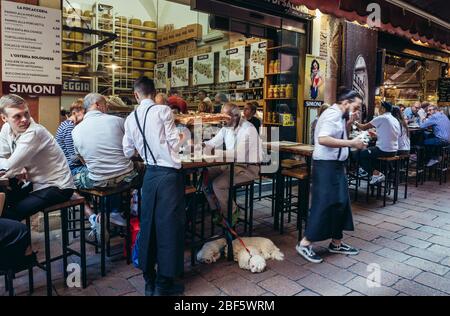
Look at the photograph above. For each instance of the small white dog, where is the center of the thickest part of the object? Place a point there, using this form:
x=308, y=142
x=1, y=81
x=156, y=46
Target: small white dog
x=210, y=251
x=261, y=249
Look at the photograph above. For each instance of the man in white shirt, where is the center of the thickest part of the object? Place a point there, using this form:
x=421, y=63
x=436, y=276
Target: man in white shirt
x=388, y=133
x=331, y=212
x=29, y=151
x=243, y=146
x=150, y=131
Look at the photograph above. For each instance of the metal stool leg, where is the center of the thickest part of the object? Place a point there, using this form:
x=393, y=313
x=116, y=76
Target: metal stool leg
x=83, y=248
x=48, y=263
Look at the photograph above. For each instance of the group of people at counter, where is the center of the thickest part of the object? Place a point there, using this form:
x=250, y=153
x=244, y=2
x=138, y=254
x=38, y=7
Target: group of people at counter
x=95, y=150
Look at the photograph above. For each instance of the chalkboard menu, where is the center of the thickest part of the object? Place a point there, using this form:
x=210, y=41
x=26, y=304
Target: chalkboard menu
x=444, y=91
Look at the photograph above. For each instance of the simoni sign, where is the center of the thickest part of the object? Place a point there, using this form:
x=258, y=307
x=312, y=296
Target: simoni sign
x=30, y=89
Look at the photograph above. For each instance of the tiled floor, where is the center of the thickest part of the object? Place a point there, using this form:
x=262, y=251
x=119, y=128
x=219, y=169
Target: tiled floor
x=409, y=241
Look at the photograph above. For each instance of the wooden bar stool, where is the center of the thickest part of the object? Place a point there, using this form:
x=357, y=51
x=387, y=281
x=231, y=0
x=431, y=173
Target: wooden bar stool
x=302, y=177
x=100, y=198
x=390, y=168
x=63, y=208
x=190, y=192
x=248, y=187
x=404, y=170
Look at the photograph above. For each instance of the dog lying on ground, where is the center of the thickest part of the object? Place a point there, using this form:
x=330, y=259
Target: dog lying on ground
x=261, y=249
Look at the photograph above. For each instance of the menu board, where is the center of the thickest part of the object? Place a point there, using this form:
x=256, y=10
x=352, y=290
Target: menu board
x=180, y=73
x=232, y=65
x=161, y=75
x=31, y=49
x=444, y=91
x=257, y=60
x=203, y=71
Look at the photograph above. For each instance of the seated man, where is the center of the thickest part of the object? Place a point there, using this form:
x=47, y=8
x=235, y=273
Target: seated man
x=250, y=112
x=98, y=142
x=243, y=144
x=415, y=114
x=27, y=149
x=440, y=124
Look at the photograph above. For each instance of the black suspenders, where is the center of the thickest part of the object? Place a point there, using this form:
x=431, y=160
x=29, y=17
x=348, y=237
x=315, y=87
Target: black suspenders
x=146, y=146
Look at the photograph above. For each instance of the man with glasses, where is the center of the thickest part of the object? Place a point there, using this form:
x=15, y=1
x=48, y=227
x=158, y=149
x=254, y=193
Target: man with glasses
x=440, y=124
x=30, y=155
x=415, y=113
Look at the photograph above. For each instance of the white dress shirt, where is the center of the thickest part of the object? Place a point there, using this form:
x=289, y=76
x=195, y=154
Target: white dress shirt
x=37, y=151
x=160, y=132
x=331, y=123
x=388, y=132
x=242, y=143
x=98, y=140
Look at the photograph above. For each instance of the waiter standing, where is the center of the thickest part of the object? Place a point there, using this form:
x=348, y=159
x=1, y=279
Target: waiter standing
x=331, y=212
x=151, y=130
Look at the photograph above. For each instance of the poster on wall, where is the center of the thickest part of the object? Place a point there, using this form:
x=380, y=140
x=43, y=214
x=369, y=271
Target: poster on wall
x=180, y=73
x=31, y=49
x=257, y=60
x=161, y=75
x=232, y=65
x=203, y=71
x=315, y=80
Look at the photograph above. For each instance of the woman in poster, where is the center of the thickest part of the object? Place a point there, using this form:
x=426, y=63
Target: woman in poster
x=316, y=79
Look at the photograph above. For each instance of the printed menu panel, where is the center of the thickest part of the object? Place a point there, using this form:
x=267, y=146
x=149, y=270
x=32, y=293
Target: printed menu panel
x=232, y=65
x=257, y=60
x=180, y=73
x=31, y=49
x=203, y=71
x=161, y=75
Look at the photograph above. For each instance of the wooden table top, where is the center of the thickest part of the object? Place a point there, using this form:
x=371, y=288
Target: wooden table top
x=293, y=148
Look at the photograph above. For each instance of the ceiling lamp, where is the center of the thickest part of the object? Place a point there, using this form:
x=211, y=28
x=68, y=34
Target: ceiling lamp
x=75, y=64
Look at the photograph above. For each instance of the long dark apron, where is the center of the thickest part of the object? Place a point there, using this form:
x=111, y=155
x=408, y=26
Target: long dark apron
x=161, y=239
x=331, y=212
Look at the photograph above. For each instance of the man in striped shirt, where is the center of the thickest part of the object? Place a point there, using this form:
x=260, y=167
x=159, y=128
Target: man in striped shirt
x=441, y=130
x=64, y=136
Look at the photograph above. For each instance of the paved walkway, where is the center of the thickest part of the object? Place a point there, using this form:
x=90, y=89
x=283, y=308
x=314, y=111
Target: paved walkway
x=409, y=241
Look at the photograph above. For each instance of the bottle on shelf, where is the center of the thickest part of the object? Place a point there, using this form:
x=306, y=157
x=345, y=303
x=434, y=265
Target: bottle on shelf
x=271, y=66
x=282, y=91
x=271, y=92
x=276, y=92
x=289, y=91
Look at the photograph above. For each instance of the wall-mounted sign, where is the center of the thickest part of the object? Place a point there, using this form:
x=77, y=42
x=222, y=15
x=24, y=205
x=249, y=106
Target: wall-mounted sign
x=31, y=49
x=232, y=65
x=161, y=75
x=315, y=80
x=444, y=91
x=257, y=60
x=203, y=71
x=77, y=86
x=180, y=73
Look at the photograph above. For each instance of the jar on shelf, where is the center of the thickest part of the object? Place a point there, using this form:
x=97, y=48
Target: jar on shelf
x=270, y=95
x=276, y=92
x=282, y=91
x=289, y=91
x=271, y=66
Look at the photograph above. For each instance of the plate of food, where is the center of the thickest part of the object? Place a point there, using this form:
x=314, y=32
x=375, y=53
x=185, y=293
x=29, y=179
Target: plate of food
x=192, y=119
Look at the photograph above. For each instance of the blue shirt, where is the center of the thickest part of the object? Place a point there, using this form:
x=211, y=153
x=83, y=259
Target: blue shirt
x=440, y=124
x=65, y=141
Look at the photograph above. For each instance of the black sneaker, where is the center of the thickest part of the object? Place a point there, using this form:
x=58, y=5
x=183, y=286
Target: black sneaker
x=343, y=249
x=308, y=253
x=149, y=289
x=174, y=290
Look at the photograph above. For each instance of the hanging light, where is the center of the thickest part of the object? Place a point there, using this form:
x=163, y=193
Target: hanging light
x=113, y=66
x=75, y=64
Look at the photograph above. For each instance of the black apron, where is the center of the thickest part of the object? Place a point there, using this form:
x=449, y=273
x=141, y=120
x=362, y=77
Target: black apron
x=331, y=212
x=161, y=239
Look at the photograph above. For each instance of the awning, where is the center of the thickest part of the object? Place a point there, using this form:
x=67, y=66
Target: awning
x=394, y=19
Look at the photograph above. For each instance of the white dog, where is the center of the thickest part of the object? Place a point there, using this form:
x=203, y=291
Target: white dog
x=210, y=251
x=261, y=249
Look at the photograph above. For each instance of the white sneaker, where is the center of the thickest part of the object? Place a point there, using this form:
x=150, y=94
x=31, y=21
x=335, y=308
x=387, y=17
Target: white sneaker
x=93, y=232
x=117, y=219
x=432, y=162
x=413, y=157
x=308, y=253
x=362, y=172
x=377, y=179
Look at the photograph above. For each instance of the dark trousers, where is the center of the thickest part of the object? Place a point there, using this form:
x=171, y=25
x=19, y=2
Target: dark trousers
x=161, y=240
x=368, y=158
x=23, y=203
x=433, y=144
x=13, y=242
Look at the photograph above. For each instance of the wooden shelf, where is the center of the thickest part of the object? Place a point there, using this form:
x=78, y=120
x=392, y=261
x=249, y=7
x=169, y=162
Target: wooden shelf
x=279, y=73
x=139, y=68
x=65, y=50
x=281, y=47
x=142, y=39
x=135, y=48
x=75, y=16
x=71, y=40
x=136, y=27
x=276, y=124
x=143, y=59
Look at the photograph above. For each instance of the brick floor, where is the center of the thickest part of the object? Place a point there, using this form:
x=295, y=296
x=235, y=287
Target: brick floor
x=410, y=242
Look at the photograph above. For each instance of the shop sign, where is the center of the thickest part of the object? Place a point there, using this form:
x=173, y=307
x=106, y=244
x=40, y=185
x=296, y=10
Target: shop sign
x=232, y=65
x=287, y=120
x=180, y=73
x=31, y=89
x=257, y=60
x=161, y=75
x=444, y=91
x=77, y=86
x=31, y=49
x=315, y=80
x=203, y=69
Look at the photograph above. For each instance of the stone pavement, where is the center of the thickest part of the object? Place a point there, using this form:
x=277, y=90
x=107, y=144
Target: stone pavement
x=409, y=241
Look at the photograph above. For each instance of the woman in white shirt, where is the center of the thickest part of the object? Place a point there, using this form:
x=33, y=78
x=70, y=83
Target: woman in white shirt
x=404, y=143
x=388, y=132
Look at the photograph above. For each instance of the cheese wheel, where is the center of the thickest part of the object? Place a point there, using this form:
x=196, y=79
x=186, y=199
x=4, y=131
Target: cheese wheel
x=137, y=53
x=136, y=22
x=136, y=64
x=150, y=55
x=150, y=35
x=150, y=24
x=74, y=11
x=137, y=44
x=150, y=45
x=136, y=33
x=122, y=19
x=149, y=65
x=136, y=74
x=76, y=35
x=87, y=14
x=149, y=74
x=76, y=47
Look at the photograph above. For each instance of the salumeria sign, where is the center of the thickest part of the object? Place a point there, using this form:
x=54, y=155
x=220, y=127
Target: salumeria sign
x=31, y=49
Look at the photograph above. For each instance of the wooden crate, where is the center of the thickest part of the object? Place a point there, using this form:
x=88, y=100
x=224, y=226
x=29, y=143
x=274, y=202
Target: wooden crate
x=178, y=35
x=194, y=31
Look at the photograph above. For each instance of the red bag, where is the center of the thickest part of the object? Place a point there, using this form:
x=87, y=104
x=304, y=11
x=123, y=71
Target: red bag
x=134, y=228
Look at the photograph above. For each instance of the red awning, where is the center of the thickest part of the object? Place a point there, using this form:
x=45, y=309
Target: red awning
x=394, y=19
